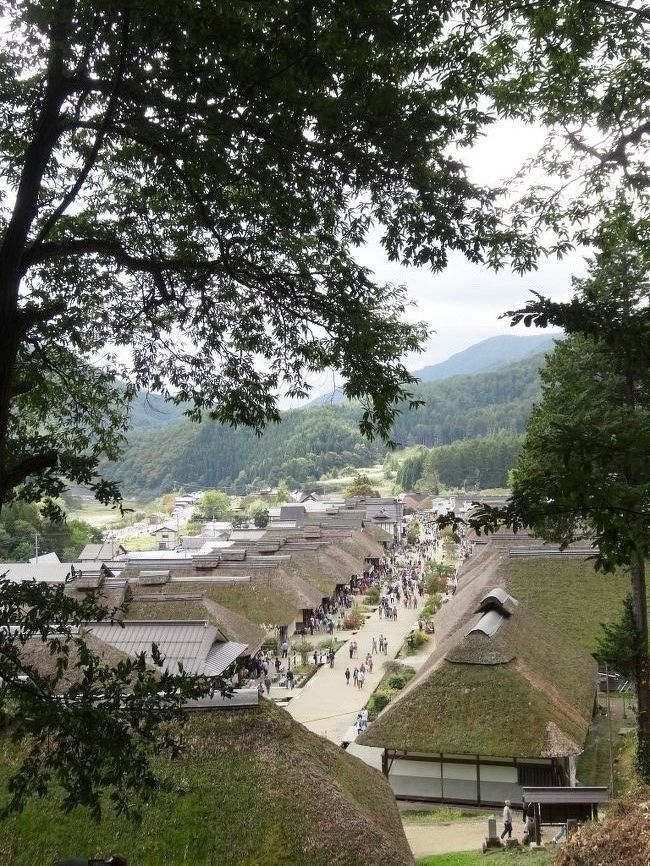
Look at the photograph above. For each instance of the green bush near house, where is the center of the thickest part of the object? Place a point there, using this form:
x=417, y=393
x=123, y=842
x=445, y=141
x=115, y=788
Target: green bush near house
x=353, y=620
x=372, y=595
x=392, y=666
x=377, y=702
x=304, y=649
x=414, y=641
x=431, y=607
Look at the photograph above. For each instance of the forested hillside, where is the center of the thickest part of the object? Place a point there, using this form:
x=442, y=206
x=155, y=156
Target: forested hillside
x=325, y=439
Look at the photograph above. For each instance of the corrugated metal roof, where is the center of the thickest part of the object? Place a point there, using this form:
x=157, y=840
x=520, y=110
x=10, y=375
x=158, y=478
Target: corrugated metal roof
x=194, y=644
x=221, y=655
x=45, y=558
x=49, y=572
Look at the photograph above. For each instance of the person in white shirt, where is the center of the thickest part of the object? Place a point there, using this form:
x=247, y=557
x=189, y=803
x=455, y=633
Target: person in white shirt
x=507, y=820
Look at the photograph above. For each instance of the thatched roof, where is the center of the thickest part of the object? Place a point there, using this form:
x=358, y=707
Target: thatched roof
x=525, y=691
x=377, y=533
x=262, y=601
x=252, y=786
x=363, y=545
x=235, y=627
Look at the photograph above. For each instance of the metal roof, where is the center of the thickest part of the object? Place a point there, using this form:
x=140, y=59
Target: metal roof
x=194, y=644
x=489, y=623
x=565, y=795
x=498, y=594
x=49, y=572
x=45, y=558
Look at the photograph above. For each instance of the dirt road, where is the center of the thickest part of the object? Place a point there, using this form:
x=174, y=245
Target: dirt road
x=426, y=839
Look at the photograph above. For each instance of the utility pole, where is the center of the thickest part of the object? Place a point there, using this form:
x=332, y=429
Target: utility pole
x=36, y=545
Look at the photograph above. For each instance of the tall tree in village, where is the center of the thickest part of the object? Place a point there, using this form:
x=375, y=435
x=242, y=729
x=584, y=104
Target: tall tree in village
x=584, y=469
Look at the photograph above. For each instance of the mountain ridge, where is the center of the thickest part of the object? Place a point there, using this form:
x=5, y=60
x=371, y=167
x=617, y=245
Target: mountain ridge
x=313, y=441
x=488, y=355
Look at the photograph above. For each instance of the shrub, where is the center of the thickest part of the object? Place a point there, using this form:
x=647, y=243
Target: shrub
x=397, y=682
x=394, y=667
x=372, y=595
x=415, y=640
x=304, y=649
x=352, y=620
x=377, y=702
x=431, y=607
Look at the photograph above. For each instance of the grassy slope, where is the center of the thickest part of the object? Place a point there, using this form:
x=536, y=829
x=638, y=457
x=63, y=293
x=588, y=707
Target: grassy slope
x=254, y=789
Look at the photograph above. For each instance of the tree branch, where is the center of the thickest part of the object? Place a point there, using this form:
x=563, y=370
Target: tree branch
x=97, y=144
x=113, y=250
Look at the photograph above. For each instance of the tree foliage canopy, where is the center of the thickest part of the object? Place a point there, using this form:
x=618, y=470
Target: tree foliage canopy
x=190, y=186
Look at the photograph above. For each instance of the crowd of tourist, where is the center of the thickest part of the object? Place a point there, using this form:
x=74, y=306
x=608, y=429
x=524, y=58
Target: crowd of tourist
x=400, y=581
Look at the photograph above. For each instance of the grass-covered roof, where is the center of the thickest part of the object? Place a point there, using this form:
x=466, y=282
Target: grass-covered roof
x=567, y=592
x=260, y=602
x=254, y=787
x=526, y=691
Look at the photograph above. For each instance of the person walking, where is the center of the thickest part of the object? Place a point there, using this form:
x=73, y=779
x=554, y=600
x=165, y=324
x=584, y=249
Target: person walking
x=290, y=679
x=267, y=685
x=361, y=677
x=374, y=644
x=355, y=676
x=347, y=676
x=507, y=820
x=385, y=646
x=351, y=648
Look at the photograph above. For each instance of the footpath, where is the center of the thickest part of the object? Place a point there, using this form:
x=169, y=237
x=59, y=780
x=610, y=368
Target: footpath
x=329, y=707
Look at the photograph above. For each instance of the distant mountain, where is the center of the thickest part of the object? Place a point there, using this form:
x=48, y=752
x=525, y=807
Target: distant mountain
x=150, y=411
x=488, y=355
x=312, y=441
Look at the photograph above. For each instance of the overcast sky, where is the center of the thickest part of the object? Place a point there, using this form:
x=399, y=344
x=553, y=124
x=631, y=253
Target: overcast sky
x=463, y=303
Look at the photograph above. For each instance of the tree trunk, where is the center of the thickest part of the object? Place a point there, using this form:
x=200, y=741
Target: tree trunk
x=642, y=664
